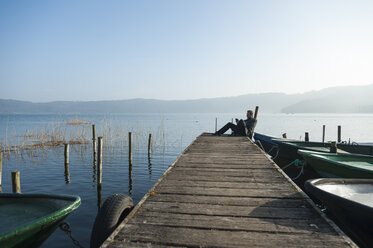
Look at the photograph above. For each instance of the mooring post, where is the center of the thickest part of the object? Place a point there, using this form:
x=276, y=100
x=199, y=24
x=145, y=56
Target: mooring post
x=306, y=137
x=66, y=153
x=16, y=182
x=284, y=136
x=149, y=145
x=333, y=147
x=1, y=169
x=94, y=140
x=99, y=161
x=339, y=134
x=256, y=112
x=323, y=133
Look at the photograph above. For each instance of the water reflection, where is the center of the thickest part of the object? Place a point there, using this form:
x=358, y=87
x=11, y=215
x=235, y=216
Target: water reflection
x=99, y=196
x=130, y=183
x=94, y=169
x=149, y=167
x=67, y=173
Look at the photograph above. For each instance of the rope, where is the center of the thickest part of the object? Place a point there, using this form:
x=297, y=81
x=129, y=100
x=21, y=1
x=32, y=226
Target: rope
x=278, y=151
x=272, y=148
x=286, y=166
x=300, y=173
x=261, y=146
x=296, y=162
x=65, y=227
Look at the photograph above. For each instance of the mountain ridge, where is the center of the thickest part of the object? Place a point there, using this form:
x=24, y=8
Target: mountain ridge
x=345, y=99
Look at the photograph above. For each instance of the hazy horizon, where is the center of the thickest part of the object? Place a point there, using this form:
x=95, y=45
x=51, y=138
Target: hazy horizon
x=181, y=50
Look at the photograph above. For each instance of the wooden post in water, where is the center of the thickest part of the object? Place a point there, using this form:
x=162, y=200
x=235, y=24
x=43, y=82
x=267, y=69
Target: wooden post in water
x=306, y=137
x=1, y=169
x=99, y=161
x=66, y=153
x=323, y=133
x=94, y=140
x=67, y=161
x=339, y=134
x=333, y=147
x=256, y=112
x=149, y=145
x=16, y=182
x=284, y=136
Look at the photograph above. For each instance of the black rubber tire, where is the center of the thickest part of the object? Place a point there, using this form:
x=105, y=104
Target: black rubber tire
x=111, y=214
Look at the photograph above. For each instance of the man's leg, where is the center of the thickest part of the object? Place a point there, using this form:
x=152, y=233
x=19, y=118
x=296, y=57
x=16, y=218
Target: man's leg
x=226, y=127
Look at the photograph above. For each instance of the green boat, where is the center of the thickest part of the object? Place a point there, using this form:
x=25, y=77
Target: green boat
x=288, y=149
x=336, y=165
x=28, y=219
x=357, y=148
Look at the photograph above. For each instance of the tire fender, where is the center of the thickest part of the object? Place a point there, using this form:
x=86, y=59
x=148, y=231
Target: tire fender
x=115, y=208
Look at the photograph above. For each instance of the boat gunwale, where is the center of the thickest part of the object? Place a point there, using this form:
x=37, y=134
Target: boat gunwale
x=314, y=183
x=323, y=156
x=74, y=202
x=297, y=144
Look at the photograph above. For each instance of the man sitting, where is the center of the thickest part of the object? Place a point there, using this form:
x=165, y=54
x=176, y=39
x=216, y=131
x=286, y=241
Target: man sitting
x=242, y=128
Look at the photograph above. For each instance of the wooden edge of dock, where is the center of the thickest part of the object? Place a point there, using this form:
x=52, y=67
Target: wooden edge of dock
x=308, y=199
x=146, y=196
x=152, y=191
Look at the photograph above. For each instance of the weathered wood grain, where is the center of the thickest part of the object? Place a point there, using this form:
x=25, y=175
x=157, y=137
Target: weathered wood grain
x=186, y=190
x=231, y=200
x=194, y=237
x=229, y=185
x=231, y=223
x=224, y=192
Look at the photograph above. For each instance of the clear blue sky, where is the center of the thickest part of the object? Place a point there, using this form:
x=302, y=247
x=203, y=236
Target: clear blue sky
x=106, y=50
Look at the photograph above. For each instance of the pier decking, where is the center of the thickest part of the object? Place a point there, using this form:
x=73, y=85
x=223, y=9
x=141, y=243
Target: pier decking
x=224, y=192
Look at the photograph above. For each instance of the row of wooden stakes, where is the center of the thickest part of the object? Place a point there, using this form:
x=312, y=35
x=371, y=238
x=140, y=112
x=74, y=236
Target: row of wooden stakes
x=307, y=136
x=97, y=156
x=97, y=153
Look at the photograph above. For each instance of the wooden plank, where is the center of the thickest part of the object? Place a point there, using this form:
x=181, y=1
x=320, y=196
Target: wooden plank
x=186, y=190
x=226, y=165
x=231, y=223
x=224, y=178
x=238, y=211
x=231, y=185
x=193, y=237
x=231, y=200
x=247, y=173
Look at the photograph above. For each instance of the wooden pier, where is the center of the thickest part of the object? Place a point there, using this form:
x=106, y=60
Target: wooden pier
x=223, y=191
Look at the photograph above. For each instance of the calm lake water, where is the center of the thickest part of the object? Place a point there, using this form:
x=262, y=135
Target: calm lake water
x=42, y=170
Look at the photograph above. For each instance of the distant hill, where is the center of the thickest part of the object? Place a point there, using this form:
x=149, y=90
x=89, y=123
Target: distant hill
x=268, y=102
x=351, y=99
x=336, y=99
